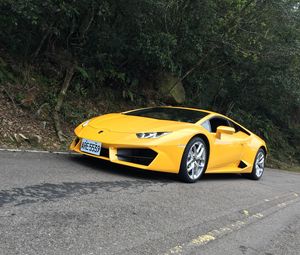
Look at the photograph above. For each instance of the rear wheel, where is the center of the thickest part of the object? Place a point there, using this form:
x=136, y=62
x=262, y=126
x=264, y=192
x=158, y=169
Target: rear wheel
x=258, y=166
x=194, y=160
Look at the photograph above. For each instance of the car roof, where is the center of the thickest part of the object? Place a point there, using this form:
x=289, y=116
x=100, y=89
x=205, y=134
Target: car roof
x=169, y=106
x=189, y=108
x=209, y=115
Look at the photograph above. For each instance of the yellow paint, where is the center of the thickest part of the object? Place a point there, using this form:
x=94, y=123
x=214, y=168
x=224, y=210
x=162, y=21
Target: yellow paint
x=119, y=131
x=238, y=224
x=200, y=240
x=258, y=215
x=177, y=249
x=225, y=229
x=214, y=234
x=296, y=195
x=245, y=212
x=224, y=130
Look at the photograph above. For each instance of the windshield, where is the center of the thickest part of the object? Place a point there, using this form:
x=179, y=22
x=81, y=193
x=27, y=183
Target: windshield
x=168, y=113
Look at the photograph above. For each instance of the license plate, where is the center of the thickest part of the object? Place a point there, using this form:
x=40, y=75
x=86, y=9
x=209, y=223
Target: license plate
x=91, y=147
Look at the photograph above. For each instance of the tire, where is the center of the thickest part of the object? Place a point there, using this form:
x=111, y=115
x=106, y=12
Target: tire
x=194, y=160
x=258, y=166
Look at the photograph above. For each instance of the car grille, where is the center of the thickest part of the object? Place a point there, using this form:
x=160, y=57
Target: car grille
x=137, y=156
x=104, y=152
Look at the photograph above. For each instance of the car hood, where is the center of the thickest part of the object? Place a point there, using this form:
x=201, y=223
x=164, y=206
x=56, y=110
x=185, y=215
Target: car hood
x=118, y=122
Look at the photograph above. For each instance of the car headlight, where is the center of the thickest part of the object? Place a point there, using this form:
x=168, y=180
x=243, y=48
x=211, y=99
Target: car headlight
x=84, y=124
x=151, y=134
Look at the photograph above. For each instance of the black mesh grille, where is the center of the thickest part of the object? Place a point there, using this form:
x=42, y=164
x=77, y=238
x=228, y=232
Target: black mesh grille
x=137, y=156
x=104, y=152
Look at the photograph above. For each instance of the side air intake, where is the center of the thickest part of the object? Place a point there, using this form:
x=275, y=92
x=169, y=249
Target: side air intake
x=242, y=164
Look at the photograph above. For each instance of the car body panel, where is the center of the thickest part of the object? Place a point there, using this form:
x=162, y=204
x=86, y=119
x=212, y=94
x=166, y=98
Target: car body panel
x=231, y=153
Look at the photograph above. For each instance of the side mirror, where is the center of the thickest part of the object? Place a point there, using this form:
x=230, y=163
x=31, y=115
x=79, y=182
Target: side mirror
x=224, y=130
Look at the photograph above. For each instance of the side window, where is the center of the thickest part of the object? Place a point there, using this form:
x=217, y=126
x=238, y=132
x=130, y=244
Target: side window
x=216, y=122
x=206, y=125
x=238, y=128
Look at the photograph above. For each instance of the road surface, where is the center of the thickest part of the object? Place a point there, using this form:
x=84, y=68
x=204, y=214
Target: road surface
x=69, y=204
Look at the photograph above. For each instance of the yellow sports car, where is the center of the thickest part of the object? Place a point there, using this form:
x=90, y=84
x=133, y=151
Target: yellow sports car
x=185, y=141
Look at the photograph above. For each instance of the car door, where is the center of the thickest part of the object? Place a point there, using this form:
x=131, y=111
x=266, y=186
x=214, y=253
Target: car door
x=227, y=150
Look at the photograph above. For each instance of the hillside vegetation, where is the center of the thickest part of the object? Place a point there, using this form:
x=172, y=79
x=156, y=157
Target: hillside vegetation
x=64, y=61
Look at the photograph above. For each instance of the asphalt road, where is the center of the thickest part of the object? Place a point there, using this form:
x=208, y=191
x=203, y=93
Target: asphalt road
x=68, y=204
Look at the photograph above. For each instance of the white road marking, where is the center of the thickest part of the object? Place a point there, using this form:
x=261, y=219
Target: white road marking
x=40, y=151
x=282, y=205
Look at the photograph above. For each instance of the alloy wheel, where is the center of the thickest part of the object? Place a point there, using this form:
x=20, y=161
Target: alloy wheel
x=196, y=160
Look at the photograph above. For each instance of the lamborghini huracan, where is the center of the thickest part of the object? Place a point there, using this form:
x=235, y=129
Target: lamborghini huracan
x=185, y=141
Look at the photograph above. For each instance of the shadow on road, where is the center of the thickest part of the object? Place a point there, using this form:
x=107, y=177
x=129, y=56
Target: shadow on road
x=136, y=173
x=47, y=192
x=137, y=181
x=116, y=169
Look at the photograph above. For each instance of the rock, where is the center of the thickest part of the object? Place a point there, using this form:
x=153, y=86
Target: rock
x=43, y=112
x=44, y=124
x=170, y=88
x=17, y=138
x=35, y=139
x=11, y=138
x=56, y=146
x=23, y=136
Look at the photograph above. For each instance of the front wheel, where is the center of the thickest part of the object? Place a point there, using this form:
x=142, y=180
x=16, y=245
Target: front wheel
x=194, y=160
x=258, y=166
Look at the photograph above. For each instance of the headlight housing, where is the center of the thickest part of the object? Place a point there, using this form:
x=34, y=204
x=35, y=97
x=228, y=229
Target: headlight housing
x=148, y=135
x=84, y=124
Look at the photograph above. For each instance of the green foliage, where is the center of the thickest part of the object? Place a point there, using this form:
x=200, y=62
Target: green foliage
x=5, y=74
x=239, y=57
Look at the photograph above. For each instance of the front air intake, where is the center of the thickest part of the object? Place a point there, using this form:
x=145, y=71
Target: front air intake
x=104, y=152
x=137, y=156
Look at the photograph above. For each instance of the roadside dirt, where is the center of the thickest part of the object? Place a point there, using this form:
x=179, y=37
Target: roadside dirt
x=21, y=129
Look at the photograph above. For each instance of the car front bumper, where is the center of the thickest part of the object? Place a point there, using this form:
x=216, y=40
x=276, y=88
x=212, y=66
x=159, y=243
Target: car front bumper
x=158, y=154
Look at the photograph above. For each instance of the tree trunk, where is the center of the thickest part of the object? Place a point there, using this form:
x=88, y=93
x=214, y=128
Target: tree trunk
x=60, y=98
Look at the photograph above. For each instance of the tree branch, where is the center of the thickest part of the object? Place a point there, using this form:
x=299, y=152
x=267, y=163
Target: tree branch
x=68, y=77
